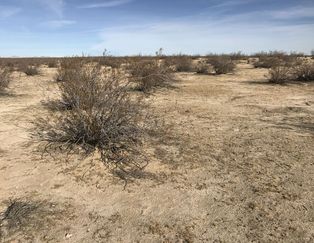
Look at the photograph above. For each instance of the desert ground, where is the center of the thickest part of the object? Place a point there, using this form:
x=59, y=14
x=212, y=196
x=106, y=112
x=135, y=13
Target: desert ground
x=237, y=165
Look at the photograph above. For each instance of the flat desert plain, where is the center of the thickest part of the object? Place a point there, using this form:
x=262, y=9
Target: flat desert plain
x=237, y=165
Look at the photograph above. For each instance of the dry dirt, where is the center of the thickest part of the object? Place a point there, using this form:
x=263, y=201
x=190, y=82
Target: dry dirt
x=237, y=166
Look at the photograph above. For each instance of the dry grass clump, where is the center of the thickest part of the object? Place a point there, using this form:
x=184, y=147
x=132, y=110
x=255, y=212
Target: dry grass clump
x=102, y=115
x=280, y=74
x=304, y=72
x=5, y=78
x=222, y=64
x=150, y=74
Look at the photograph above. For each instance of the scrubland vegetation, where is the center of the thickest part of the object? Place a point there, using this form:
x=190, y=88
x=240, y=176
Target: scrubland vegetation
x=95, y=112
x=209, y=148
x=5, y=78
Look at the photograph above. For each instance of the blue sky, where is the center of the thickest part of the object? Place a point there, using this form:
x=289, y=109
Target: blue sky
x=126, y=27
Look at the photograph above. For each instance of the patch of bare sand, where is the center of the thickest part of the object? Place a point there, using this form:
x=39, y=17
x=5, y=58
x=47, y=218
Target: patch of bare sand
x=237, y=166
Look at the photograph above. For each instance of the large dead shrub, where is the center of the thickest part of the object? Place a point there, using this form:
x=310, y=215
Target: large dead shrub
x=5, y=78
x=279, y=74
x=304, y=72
x=150, y=74
x=101, y=116
x=222, y=64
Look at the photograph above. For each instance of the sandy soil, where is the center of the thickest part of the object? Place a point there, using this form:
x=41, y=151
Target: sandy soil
x=237, y=166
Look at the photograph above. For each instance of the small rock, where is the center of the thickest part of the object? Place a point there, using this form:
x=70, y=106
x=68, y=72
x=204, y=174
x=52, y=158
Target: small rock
x=68, y=235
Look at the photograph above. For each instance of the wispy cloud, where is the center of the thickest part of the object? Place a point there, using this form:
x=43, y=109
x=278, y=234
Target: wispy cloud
x=6, y=12
x=231, y=3
x=296, y=12
x=107, y=4
x=58, y=23
x=243, y=31
x=57, y=6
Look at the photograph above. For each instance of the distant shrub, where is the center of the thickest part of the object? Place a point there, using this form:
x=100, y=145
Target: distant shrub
x=237, y=56
x=304, y=72
x=268, y=62
x=279, y=74
x=181, y=63
x=150, y=74
x=52, y=64
x=29, y=70
x=102, y=115
x=222, y=64
x=5, y=78
x=202, y=68
x=277, y=58
x=113, y=62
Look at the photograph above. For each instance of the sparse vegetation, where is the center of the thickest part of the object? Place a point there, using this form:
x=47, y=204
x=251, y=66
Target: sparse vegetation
x=222, y=64
x=101, y=116
x=29, y=70
x=150, y=74
x=304, y=72
x=52, y=64
x=113, y=62
x=202, y=68
x=280, y=74
x=5, y=78
x=268, y=62
x=276, y=58
x=181, y=63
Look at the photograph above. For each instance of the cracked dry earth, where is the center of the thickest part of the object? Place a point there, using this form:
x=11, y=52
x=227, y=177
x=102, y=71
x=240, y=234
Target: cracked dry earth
x=237, y=166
